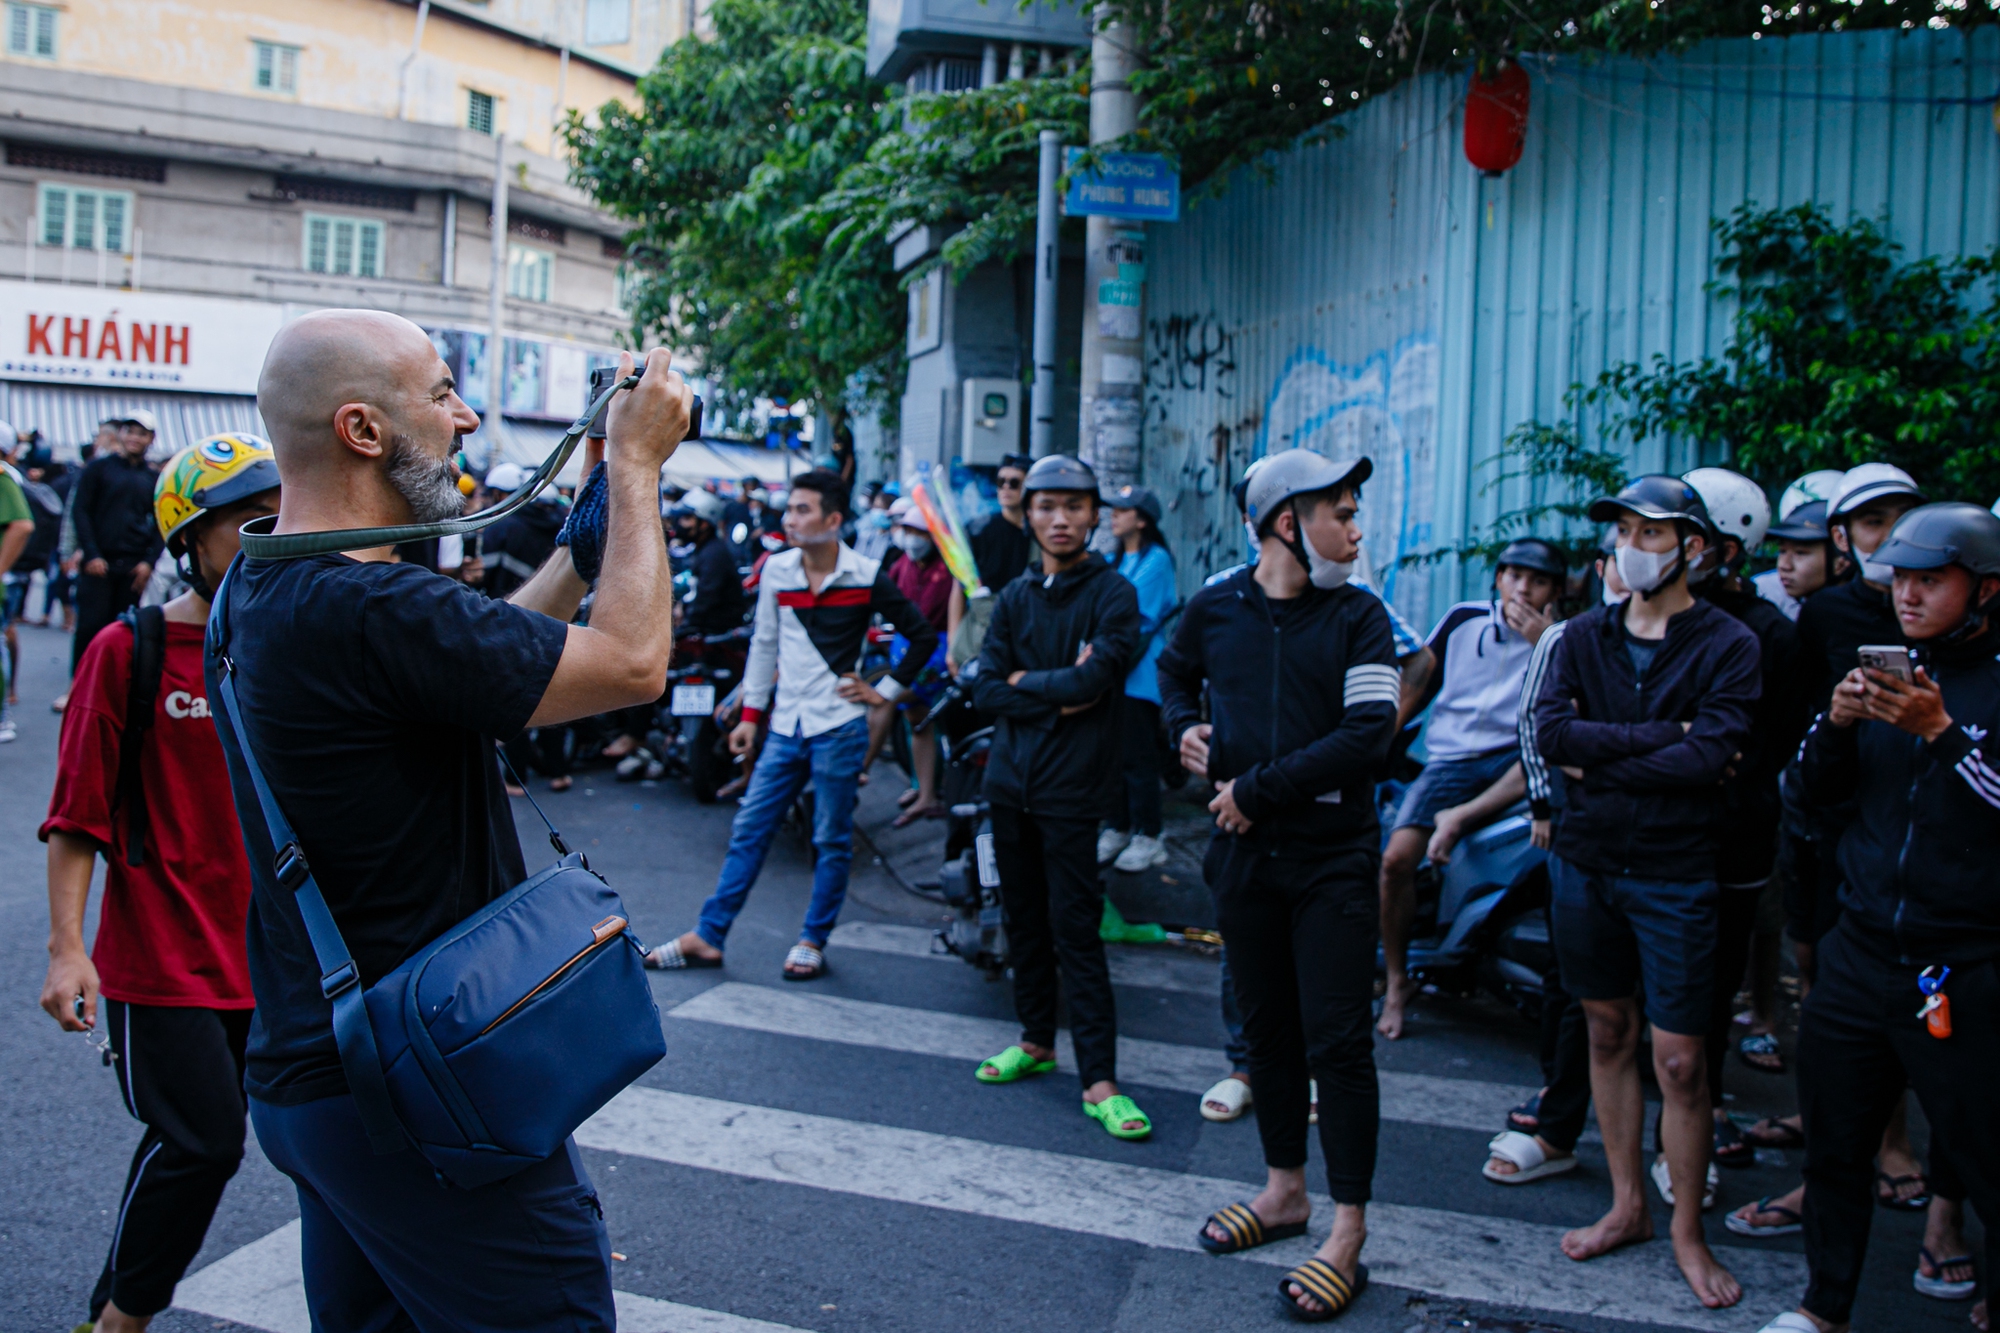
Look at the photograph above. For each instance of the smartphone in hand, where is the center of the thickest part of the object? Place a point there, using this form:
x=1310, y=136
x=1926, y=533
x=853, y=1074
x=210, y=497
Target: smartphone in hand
x=1890, y=659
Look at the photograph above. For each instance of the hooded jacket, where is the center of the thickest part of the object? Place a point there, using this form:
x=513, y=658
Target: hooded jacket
x=1651, y=794
x=1042, y=761
x=1302, y=700
x=1919, y=853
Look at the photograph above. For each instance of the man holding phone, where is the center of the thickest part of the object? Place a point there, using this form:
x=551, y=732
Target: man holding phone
x=1908, y=991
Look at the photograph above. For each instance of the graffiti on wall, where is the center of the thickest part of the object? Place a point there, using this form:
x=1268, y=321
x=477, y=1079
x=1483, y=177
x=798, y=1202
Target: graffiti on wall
x=1383, y=408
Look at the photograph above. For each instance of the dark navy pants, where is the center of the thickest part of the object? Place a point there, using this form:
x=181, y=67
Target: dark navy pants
x=387, y=1246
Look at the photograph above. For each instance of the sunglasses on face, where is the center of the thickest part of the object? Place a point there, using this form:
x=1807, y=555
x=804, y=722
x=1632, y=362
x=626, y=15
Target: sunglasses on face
x=1010, y=483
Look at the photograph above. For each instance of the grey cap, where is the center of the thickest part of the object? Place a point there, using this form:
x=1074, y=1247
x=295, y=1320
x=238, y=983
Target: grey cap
x=1060, y=472
x=1536, y=553
x=1296, y=472
x=1806, y=523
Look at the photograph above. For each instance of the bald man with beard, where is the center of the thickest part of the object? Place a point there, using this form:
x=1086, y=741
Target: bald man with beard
x=373, y=692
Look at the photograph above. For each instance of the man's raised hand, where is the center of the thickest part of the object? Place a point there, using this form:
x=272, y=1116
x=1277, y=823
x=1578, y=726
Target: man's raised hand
x=648, y=423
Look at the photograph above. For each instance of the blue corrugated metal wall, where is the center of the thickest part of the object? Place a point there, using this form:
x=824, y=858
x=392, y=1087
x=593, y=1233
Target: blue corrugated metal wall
x=1380, y=297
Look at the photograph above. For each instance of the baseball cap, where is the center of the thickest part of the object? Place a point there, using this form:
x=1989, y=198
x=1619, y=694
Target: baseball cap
x=1135, y=497
x=139, y=416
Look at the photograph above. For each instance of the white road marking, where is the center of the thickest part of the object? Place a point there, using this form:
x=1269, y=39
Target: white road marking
x=1419, y=1099
x=1157, y=968
x=1460, y=1256
x=259, y=1286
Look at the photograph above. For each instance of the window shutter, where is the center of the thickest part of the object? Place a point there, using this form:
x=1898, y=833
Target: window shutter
x=316, y=244
x=55, y=216
x=17, y=30
x=45, y=33
x=114, y=223
x=83, y=227
x=369, y=264
x=343, y=247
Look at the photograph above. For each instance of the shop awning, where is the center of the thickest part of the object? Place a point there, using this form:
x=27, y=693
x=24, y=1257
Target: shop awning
x=695, y=462
x=67, y=415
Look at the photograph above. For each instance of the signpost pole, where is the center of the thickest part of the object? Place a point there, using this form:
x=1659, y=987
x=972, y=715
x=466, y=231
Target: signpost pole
x=1113, y=341
x=1042, y=406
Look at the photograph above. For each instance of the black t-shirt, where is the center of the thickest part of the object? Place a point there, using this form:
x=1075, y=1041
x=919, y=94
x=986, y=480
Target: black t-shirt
x=1001, y=551
x=373, y=693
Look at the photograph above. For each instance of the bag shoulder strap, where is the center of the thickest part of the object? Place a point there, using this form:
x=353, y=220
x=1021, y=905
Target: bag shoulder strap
x=148, y=625
x=340, y=977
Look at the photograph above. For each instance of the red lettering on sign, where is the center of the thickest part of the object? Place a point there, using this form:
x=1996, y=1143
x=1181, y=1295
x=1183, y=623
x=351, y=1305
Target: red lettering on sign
x=38, y=335
x=107, y=342
x=167, y=351
x=76, y=332
x=144, y=338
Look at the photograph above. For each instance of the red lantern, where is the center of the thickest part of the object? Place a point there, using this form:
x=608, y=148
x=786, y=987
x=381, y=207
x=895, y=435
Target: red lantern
x=1496, y=118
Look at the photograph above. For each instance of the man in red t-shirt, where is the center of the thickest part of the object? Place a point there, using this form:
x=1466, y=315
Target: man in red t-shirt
x=169, y=959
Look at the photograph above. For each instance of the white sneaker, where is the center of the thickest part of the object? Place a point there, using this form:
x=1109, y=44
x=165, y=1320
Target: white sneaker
x=7, y=732
x=1142, y=853
x=1109, y=843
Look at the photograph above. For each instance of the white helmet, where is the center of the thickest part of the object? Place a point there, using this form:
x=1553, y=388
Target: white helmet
x=1868, y=482
x=1736, y=505
x=1821, y=485
x=506, y=477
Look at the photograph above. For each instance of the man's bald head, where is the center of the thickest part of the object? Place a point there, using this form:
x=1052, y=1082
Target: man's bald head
x=331, y=358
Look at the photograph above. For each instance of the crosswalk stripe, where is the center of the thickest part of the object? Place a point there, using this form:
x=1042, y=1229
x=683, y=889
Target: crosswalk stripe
x=1458, y=1256
x=1420, y=1099
x=260, y=1286
x=1155, y=968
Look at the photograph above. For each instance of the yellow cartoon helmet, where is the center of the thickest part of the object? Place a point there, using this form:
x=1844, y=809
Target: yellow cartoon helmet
x=219, y=471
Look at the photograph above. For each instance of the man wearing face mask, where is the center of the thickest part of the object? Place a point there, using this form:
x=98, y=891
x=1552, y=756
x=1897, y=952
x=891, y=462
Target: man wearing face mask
x=927, y=581
x=1645, y=705
x=1299, y=670
x=718, y=603
x=1908, y=991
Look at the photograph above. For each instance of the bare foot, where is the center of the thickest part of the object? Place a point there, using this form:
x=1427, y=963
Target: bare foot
x=512, y=790
x=621, y=746
x=1606, y=1234
x=1500, y=1166
x=903, y=799
x=1394, y=1000
x=563, y=783
x=1712, y=1284
x=912, y=813
x=694, y=946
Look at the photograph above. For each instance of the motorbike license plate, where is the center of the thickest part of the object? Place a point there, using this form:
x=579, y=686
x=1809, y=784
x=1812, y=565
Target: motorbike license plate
x=693, y=700
x=989, y=864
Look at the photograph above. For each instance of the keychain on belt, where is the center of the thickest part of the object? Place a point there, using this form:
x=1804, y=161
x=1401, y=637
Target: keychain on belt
x=1936, y=1012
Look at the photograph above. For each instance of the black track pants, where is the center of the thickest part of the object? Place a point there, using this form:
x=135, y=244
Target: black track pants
x=1055, y=903
x=1565, y=1104
x=1302, y=953
x=98, y=602
x=181, y=1073
x=1860, y=1043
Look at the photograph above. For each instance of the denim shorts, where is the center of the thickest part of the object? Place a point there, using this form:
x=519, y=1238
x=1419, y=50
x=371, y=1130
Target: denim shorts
x=1448, y=782
x=1614, y=932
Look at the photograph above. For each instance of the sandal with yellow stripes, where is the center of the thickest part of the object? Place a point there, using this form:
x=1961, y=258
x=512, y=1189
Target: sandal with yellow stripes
x=1322, y=1281
x=1245, y=1229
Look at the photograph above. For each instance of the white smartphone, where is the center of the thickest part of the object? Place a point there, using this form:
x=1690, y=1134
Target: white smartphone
x=1890, y=659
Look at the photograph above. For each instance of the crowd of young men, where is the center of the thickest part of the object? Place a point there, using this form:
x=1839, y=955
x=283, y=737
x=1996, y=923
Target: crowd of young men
x=1680, y=779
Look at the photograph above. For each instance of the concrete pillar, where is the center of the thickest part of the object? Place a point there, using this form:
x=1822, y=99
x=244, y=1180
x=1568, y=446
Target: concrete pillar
x=1114, y=356
x=989, y=65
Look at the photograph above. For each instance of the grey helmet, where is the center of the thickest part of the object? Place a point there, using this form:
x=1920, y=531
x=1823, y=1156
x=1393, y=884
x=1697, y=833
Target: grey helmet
x=1060, y=472
x=1296, y=472
x=705, y=505
x=1951, y=533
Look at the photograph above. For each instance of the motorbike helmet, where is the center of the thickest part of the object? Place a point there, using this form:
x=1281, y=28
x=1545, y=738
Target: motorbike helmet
x=1806, y=523
x=1536, y=553
x=506, y=478
x=906, y=514
x=1821, y=485
x=217, y=472
x=1950, y=533
x=1060, y=472
x=1296, y=472
x=704, y=505
x=1867, y=483
x=1656, y=496
x=1737, y=506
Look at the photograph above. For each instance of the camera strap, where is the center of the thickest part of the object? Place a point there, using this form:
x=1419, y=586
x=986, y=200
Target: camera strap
x=260, y=543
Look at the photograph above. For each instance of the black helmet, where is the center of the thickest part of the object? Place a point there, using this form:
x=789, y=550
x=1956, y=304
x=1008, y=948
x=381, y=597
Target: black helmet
x=1536, y=553
x=1656, y=496
x=1807, y=523
x=1060, y=472
x=1935, y=535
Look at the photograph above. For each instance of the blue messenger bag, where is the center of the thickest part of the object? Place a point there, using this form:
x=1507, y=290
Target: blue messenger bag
x=496, y=1040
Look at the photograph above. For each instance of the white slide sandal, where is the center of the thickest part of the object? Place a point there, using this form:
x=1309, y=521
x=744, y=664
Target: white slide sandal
x=1531, y=1161
x=1232, y=1093
x=1791, y=1321
x=1664, y=1183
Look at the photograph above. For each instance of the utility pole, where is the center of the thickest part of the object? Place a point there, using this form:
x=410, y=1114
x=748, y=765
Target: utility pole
x=496, y=308
x=1042, y=404
x=1114, y=356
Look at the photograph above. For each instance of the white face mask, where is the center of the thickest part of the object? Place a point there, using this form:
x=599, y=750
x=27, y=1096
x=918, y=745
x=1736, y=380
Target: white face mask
x=1325, y=573
x=1876, y=571
x=1611, y=598
x=1250, y=531
x=915, y=545
x=1645, y=571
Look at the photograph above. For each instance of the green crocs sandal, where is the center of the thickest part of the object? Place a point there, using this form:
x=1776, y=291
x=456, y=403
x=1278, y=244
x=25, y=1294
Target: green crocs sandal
x=1011, y=1064
x=1114, y=1111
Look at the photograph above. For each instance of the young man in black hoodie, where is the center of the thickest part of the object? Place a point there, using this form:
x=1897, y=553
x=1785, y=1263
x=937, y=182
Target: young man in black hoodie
x=1299, y=669
x=1057, y=649
x=1645, y=705
x=1908, y=991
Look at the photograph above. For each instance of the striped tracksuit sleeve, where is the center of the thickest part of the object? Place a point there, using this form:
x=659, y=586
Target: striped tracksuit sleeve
x=1540, y=798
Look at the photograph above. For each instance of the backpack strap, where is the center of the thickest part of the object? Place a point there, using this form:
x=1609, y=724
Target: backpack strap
x=149, y=662
x=340, y=977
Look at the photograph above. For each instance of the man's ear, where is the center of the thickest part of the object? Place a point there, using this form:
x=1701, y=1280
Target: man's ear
x=360, y=429
x=1285, y=525
x=1839, y=534
x=1989, y=588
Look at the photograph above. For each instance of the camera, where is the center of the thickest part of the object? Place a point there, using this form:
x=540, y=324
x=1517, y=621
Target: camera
x=604, y=377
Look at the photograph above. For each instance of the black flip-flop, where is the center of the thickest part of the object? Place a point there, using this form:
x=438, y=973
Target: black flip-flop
x=1780, y=1135
x=1527, y=1117
x=1322, y=1281
x=1246, y=1230
x=1916, y=1203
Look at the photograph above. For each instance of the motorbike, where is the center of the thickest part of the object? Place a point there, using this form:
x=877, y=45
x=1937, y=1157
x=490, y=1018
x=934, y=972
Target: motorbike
x=969, y=880
x=1481, y=921
x=686, y=736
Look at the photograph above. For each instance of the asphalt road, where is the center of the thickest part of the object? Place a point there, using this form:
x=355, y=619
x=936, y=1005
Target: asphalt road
x=820, y=1157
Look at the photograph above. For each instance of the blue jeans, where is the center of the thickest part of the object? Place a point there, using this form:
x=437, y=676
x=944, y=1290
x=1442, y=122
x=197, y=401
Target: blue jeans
x=832, y=760
x=385, y=1244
